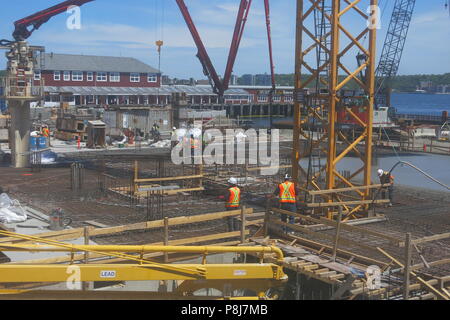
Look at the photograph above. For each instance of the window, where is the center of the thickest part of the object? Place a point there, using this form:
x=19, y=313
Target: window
x=90, y=76
x=277, y=98
x=77, y=76
x=288, y=98
x=152, y=78
x=114, y=77
x=66, y=75
x=37, y=75
x=56, y=75
x=135, y=77
x=262, y=98
x=102, y=76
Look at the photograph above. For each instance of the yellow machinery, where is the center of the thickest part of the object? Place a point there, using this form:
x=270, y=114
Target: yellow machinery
x=257, y=277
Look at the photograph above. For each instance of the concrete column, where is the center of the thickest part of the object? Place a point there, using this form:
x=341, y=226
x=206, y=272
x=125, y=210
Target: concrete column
x=20, y=133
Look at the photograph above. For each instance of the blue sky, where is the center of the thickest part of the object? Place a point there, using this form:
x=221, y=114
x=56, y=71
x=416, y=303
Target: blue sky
x=130, y=28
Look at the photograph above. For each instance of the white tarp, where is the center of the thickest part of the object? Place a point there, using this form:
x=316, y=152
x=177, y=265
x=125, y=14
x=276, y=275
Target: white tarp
x=10, y=210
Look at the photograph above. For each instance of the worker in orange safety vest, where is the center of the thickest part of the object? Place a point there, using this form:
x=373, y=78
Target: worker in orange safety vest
x=46, y=133
x=233, y=202
x=194, y=145
x=287, y=195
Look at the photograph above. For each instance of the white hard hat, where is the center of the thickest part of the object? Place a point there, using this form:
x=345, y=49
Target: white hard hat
x=174, y=128
x=232, y=181
x=287, y=176
x=380, y=172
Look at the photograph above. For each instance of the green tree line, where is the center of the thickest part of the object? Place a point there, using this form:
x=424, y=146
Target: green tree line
x=405, y=83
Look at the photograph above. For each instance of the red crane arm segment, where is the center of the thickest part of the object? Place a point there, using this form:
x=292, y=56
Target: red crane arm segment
x=36, y=20
x=241, y=20
x=208, y=67
x=269, y=39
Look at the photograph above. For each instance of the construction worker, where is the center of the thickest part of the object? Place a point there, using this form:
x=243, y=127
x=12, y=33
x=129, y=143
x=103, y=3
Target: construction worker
x=386, y=178
x=46, y=133
x=154, y=132
x=287, y=198
x=233, y=201
x=173, y=137
x=194, y=145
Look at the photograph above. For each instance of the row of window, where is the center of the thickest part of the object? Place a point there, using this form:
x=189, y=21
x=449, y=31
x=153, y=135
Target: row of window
x=265, y=98
x=100, y=76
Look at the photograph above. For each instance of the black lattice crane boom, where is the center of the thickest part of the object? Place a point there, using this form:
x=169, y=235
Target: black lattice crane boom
x=392, y=50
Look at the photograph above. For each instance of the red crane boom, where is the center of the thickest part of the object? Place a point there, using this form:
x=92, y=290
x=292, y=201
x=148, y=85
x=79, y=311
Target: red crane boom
x=219, y=86
x=21, y=31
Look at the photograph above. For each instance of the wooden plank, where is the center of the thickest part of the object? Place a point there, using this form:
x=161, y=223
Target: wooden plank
x=174, y=191
x=432, y=238
x=321, y=270
x=328, y=274
x=197, y=176
x=96, y=224
x=78, y=257
x=337, y=276
x=172, y=222
x=344, y=225
x=324, y=235
x=45, y=235
x=345, y=203
x=301, y=264
x=311, y=267
x=285, y=166
x=255, y=222
x=311, y=244
x=66, y=236
x=373, y=186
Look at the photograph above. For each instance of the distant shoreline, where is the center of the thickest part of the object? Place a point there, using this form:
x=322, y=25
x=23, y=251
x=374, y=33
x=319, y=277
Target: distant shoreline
x=412, y=92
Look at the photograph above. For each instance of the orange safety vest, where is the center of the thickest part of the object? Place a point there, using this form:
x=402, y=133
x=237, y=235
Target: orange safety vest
x=194, y=143
x=45, y=132
x=235, y=197
x=287, y=192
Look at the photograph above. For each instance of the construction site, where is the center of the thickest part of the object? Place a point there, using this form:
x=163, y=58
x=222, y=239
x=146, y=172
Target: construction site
x=164, y=194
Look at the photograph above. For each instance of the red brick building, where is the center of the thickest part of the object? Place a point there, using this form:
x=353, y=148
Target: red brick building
x=61, y=70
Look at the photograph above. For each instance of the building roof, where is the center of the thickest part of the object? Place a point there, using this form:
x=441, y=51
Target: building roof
x=73, y=62
x=163, y=90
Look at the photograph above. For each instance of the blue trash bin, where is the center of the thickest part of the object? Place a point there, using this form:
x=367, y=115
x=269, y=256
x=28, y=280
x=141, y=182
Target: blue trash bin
x=33, y=143
x=42, y=142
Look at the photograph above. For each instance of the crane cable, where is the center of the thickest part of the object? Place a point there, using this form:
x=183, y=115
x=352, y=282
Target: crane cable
x=159, y=32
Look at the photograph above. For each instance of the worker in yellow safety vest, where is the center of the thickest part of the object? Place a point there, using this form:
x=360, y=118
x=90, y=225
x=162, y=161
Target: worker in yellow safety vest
x=233, y=202
x=287, y=195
